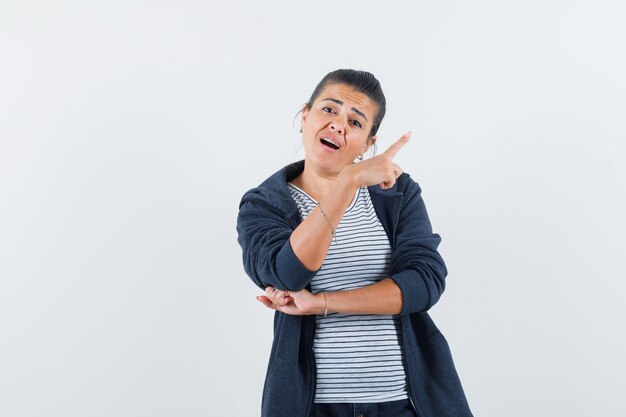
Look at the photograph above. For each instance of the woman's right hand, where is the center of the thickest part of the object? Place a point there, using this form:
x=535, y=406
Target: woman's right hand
x=295, y=303
x=380, y=169
x=278, y=297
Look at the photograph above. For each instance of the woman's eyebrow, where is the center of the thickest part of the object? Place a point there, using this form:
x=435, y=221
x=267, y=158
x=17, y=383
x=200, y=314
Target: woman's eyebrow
x=354, y=109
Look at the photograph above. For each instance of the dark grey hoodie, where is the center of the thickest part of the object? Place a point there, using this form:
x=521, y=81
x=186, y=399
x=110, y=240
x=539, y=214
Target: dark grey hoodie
x=267, y=217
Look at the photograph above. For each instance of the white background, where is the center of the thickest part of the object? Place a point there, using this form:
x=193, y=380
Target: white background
x=130, y=129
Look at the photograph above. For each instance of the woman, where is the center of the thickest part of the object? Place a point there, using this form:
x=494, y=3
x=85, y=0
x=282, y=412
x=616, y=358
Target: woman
x=347, y=258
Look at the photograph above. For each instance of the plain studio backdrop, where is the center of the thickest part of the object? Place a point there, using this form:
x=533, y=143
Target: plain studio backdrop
x=130, y=130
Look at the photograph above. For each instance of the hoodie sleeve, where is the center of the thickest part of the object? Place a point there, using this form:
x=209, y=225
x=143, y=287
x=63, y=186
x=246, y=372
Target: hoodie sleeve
x=268, y=258
x=416, y=266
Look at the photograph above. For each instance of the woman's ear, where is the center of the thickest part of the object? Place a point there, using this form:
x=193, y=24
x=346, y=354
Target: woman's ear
x=370, y=141
x=305, y=113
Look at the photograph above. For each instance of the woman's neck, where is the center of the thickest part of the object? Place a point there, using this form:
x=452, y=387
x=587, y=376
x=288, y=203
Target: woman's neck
x=314, y=182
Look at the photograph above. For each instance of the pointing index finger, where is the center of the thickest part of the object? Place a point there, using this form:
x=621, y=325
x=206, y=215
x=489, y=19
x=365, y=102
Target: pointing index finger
x=397, y=145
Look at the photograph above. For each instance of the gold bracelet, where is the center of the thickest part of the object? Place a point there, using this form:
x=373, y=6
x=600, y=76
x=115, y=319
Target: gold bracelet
x=332, y=229
x=325, y=305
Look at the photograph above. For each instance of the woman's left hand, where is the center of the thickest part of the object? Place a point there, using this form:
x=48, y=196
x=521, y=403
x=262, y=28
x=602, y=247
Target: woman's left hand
x=299, y=303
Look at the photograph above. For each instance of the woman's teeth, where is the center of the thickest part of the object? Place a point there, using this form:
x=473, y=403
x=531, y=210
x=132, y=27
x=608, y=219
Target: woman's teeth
x=329, y=143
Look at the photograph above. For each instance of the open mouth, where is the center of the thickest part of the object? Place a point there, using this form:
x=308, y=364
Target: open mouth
x=329, y=143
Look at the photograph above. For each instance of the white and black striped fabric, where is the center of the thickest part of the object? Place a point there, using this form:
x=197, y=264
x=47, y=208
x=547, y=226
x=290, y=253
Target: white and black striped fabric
x=359, y=358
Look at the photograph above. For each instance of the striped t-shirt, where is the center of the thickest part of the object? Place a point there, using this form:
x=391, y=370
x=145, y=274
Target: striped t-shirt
x=359, y=358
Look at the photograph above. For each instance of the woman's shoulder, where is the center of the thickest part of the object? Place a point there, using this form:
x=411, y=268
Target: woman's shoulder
x=274, y=191
x=405, y=181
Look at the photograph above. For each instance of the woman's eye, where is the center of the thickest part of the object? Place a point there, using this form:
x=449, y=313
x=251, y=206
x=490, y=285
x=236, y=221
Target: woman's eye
x=356, y=123
x=328, y=110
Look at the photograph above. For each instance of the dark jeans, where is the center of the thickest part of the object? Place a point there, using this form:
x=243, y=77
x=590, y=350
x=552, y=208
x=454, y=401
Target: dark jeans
x=402, y=408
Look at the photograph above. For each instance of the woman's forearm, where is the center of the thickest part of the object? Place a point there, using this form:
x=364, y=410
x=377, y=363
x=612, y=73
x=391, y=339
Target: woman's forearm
x=384, y=297
x=311, y=239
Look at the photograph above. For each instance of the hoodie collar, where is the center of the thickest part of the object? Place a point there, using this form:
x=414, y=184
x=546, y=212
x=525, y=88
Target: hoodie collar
x=274, y=191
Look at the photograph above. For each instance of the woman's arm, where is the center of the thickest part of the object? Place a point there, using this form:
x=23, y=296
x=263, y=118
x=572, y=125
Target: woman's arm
x=281, y=254
x=311, y=239
x=417, y=272
x=384, y=297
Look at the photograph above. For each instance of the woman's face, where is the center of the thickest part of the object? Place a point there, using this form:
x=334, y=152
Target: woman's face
x=336, y=128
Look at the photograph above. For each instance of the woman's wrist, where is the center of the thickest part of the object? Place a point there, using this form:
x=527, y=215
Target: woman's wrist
x=322, y=304
x=349, y=176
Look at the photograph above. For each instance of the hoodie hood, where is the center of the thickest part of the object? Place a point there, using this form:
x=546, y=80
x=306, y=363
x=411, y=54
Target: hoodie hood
x=275, y=189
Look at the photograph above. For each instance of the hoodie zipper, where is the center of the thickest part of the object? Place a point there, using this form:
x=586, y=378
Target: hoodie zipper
x=408, y=372
x=413, y=405
x=313, y=378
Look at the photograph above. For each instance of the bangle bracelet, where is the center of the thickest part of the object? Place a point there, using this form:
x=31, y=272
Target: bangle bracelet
x=332, y=229
x=325, y=305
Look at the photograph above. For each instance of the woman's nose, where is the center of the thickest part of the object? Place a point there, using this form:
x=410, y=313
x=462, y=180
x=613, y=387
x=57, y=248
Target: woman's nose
x=337, y=125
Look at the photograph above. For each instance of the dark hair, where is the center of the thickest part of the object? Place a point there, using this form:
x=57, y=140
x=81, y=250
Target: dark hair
x=362, y=81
